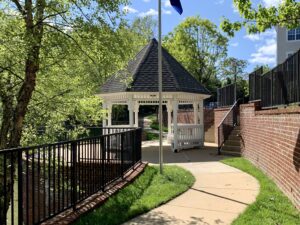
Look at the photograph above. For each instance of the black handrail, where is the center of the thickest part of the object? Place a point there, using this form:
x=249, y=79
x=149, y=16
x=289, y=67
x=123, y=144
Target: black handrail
x=55, y=177
x=227, y=124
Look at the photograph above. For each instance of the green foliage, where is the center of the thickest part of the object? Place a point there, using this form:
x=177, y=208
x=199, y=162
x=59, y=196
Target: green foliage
x=259, y=18
x=232, y=67
x=271, y=205
x=155, y=126
x=83, y=44
x=151, y=136
x=148, y=191
x=198, y=45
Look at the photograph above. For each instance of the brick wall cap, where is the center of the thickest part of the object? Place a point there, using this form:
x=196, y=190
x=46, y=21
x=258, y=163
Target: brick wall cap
x=283, y=110
x=222, y=109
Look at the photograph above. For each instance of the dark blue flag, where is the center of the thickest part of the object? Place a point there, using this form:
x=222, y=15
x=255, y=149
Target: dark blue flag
x=177, y=6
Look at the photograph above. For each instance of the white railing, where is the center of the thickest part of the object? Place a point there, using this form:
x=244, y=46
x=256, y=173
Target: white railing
x=188, y=136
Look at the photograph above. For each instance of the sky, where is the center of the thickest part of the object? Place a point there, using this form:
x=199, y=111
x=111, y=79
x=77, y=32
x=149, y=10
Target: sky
x=257, y=49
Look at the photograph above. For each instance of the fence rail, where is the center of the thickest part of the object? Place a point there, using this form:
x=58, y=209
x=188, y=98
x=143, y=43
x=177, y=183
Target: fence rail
x=279, y=86
x=40, y=182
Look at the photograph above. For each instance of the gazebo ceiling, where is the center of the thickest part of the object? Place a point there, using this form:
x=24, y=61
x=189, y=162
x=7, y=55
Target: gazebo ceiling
x=141, y=75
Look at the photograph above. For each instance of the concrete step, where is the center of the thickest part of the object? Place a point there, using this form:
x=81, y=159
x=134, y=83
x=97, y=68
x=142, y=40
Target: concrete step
x=233, y=138
x=231, y=148
x=231, y=153
x=235, y=132
x=232, y=142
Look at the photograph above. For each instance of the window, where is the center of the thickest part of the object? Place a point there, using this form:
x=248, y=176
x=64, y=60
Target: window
x=294, y=34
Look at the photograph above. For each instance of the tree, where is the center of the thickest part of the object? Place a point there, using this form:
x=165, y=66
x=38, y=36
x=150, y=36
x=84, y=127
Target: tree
x=198, y=45
x=40, y=41
x=260, y=18
x=144, y=27
x=233, y=70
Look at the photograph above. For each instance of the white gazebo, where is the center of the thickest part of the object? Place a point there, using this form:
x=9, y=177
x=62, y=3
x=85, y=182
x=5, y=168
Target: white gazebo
x=138, y=85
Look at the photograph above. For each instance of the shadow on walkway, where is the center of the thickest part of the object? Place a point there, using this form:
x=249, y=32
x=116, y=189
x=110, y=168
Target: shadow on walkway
x=204, y=154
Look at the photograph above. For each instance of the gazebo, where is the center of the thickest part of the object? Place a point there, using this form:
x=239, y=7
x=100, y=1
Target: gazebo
x=138, y=85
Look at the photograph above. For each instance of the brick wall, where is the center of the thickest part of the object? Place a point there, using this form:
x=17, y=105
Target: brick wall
x=219, y=114
x=271, y=140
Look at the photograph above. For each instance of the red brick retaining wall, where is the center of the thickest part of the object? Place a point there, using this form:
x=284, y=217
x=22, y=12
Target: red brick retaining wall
x=271, y=140
x=219, y=114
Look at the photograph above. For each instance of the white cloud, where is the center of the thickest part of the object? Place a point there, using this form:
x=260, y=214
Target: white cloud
x=153, y=12
x=219, y=2
x=167, y=4
x=146, y=0
x=235, y=44
x=129, y=9
x=168, y=12
x=269, y=3
x=150, y=12
x=265, y=54
x=261, y=36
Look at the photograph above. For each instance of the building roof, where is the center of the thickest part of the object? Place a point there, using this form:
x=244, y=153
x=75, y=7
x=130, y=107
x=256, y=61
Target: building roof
x=141, y=74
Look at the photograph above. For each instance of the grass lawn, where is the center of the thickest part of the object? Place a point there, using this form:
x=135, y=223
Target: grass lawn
x=271, y=207
x=155, y=126
x=148, y=191
x=151, y=136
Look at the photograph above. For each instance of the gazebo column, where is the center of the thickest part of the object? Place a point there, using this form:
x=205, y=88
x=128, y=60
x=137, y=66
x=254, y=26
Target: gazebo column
x=130, y=109
x=169, y=110
x=109, y=112
x=136, y=114
x=201, y=113
x=201, y=119
x=175, y=128
x=195, y=107
x=104, y=106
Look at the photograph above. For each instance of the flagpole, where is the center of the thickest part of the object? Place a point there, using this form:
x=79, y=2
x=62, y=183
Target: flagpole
x=160, y=88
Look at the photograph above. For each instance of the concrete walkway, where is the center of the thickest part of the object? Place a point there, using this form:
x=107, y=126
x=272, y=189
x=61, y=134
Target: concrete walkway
x=218, y=196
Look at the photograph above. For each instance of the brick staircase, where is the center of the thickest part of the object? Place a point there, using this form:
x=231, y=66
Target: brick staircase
x=232, y=145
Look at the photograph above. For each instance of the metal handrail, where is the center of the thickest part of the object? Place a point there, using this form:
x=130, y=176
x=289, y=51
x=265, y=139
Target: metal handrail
x=230, y=125
x=57, y=177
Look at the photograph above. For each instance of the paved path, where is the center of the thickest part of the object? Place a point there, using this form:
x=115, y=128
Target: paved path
x=218, y=196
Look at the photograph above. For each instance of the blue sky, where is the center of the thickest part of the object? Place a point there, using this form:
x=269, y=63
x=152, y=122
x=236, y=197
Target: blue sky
x=256, y=49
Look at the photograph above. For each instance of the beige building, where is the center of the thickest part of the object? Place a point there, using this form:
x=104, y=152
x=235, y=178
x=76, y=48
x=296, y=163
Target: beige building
x=288, y=42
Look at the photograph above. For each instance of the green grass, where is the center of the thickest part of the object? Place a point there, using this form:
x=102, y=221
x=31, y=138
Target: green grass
x=271, y=207
x=155, y=126
x=154, y=123
x=151, y=136
x=148, y=191
x=152, y=117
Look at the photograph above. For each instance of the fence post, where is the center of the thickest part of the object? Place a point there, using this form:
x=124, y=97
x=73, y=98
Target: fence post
x=133, y=141
x=102, y=144
x=20, y=188
x=122, y=153
x=73, y=176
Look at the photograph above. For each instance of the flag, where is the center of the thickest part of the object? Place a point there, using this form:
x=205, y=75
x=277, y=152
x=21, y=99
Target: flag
x=177, y=6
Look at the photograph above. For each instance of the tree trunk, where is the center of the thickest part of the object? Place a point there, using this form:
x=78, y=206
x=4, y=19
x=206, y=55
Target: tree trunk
x=33, y=35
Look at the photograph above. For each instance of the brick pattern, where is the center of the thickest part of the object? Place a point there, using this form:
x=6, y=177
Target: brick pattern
x=219, y=114
x=271, y=140
x=187, y=116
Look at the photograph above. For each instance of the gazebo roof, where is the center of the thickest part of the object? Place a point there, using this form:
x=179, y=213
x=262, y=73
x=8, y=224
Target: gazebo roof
x=141, y=74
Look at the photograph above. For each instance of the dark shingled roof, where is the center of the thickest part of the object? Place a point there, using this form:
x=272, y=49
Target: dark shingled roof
x=142, y=74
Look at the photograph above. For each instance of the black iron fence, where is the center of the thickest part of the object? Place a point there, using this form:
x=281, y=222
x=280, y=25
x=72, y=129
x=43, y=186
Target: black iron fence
x=279, y=86
x=37, y=183
x=226, y=95
x=227, y=124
